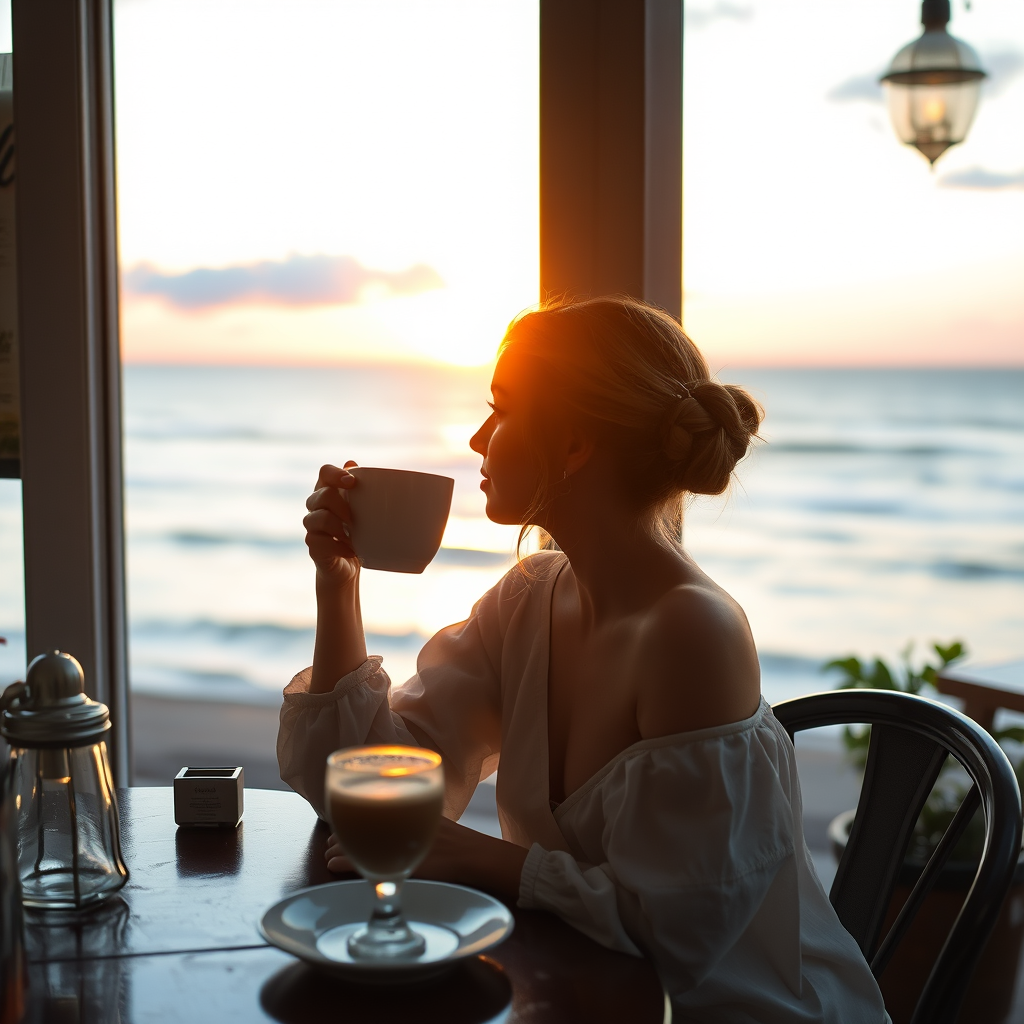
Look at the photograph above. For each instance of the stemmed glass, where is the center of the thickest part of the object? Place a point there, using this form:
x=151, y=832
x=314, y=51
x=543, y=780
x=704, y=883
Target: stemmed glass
x=385, y=804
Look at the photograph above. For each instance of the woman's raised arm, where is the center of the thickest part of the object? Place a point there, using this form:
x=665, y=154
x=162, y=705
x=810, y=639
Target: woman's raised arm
x=452, y=704
x=340, y=643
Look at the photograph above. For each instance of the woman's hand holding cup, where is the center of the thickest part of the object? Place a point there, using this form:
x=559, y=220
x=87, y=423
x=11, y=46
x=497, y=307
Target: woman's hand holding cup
x=327, y=526
x=394, y=521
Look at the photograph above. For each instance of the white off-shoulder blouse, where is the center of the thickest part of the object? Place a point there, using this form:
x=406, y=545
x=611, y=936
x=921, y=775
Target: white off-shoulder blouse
x=688, y=849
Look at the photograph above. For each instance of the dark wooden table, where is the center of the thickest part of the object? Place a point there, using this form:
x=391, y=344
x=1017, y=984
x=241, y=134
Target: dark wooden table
x=180, y=943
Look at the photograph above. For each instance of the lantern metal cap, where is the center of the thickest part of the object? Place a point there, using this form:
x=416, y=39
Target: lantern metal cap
x=935, y=58
x=50, y=708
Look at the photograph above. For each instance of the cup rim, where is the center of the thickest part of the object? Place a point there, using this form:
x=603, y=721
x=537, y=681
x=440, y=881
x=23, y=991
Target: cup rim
x=432, y=757
x=404, y=472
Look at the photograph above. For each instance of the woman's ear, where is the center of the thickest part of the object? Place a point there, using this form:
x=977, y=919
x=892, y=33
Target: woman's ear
x=578, y=450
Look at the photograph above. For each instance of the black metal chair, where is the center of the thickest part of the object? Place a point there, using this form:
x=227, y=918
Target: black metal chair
x=910, y=739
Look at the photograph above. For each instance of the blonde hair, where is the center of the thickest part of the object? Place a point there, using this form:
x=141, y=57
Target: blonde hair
x=627, y=372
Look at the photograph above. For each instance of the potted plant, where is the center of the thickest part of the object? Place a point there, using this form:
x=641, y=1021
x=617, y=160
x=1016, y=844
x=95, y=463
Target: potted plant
x=990, y=994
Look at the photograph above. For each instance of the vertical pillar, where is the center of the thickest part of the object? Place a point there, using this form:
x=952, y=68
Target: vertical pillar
x=69, y=347
x=611, y=157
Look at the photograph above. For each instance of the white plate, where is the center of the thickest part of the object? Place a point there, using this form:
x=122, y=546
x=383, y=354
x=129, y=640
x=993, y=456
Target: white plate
x=315, y=923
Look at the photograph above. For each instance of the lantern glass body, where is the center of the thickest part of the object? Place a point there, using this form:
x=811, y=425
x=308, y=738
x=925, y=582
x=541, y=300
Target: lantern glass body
x=69, y=849
x=932, y=117
x=933, y=87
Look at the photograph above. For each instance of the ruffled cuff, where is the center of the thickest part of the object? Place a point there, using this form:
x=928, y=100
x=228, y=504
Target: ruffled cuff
x=580, y=894
x=296, y=693
x=528, y=879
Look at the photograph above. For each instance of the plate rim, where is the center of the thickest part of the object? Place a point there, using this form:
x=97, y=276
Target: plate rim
x=311, y=954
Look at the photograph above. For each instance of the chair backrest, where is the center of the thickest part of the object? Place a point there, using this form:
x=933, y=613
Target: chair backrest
x=910, y=739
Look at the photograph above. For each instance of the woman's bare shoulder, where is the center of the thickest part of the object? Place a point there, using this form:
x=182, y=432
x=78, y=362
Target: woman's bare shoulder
x=529, y=573
x=545, y=561
x=699, y=666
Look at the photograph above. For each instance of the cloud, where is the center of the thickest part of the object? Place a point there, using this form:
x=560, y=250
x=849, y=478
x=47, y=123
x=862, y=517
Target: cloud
x=1002, y=66
x=980, y=178
x=701, y=17
x=294, y=281
x=860, y=87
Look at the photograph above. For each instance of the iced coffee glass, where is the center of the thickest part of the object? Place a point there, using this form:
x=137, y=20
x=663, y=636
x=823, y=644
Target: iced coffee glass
x=384, y=804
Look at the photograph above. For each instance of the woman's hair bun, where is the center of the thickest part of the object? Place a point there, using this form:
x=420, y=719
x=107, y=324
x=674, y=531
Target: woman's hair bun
x=711, y=431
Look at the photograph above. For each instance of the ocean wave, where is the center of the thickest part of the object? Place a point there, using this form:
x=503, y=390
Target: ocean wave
x=220, y=630
x=975, y=571
x=197, y=538
x=471, y=558
x=856, y=508
x=170, y=682
x=251, y=632
x=795, y=664
x=463, y=557
x=848, y=448
x=946, y=569
x=183, y=433
x=1014, y=425
x=792, y=516
x=237, y=662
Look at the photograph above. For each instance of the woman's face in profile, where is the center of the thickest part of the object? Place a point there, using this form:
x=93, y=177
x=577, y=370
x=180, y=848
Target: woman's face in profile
x=509, y=470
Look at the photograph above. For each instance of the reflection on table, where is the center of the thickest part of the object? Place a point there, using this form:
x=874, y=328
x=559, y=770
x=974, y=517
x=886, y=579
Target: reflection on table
x=181, y=943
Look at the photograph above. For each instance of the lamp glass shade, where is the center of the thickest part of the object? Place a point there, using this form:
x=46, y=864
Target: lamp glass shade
x=933, y=87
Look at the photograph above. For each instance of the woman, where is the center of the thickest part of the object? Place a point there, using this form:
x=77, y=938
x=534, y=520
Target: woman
x=646, y=792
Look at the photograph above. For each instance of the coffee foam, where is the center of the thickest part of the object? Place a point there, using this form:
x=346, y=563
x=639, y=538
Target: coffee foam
x=402, y=788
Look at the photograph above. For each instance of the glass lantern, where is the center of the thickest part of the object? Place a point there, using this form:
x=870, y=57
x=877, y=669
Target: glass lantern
x=933, y=86
x=69, y=850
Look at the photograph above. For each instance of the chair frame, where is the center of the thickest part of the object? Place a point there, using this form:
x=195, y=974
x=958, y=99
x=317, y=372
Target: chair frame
x=910, y=739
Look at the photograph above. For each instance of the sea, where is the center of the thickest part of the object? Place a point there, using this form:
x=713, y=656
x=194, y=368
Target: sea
x=881, y=510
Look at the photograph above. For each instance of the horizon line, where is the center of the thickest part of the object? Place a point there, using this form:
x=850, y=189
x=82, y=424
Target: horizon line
x=438, y=364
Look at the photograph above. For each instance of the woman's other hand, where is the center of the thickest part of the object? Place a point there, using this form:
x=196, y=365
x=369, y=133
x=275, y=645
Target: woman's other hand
x=327, y=524
x=460, y=855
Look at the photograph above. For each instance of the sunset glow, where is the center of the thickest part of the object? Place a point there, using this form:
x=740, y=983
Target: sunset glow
x=388, y=152
x=396, y=135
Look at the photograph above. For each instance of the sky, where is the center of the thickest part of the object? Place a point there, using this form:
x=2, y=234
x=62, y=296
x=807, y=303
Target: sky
x=811, y=234
x=306, y=182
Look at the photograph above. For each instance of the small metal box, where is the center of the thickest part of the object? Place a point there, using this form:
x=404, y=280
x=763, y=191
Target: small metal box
x=208, y=796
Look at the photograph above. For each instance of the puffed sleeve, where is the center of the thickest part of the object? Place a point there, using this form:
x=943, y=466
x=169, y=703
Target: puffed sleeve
x=685, y=848
x=453, y=700
x=690, y=850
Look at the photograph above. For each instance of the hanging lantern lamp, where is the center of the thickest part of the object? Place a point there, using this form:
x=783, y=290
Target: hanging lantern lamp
x=933, y=85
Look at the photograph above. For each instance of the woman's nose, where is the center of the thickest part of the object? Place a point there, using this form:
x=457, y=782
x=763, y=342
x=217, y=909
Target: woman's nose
x=478, y=442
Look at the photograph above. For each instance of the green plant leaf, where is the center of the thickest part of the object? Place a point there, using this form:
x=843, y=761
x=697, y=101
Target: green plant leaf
x=949, y=791
x=881, y=677
x=853, y=671
x=957, y=649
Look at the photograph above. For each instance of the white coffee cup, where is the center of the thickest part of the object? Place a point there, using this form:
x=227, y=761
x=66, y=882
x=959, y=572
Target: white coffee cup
x=398, y=517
